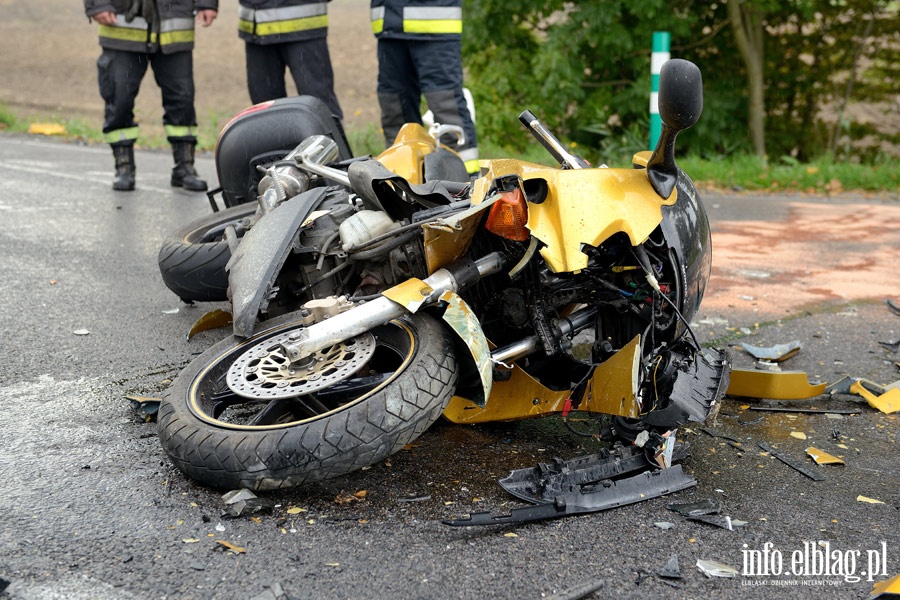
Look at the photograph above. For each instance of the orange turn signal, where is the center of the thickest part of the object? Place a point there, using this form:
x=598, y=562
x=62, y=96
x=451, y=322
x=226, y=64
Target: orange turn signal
x=508, y=216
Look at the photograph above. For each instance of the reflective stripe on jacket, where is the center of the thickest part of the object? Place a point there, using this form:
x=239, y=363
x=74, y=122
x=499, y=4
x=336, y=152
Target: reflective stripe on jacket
x=276, y=21
x=173, y=32
x=399, y=19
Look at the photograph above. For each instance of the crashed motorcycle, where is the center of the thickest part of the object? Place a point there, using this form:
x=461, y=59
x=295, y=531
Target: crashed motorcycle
x=371, y=296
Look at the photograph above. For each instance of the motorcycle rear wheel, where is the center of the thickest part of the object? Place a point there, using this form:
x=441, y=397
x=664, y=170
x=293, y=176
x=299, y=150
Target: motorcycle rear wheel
x=227, y=441
x=192, y=259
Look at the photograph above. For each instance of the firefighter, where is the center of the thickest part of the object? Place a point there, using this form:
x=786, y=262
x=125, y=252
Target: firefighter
x=420, y=53
x=292, y=34
x=133, y=35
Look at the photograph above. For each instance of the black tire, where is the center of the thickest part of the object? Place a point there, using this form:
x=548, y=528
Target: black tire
x=192, y=259
x=213, y=443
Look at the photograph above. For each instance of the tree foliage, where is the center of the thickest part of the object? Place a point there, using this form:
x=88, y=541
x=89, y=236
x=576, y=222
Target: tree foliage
x=584, y=68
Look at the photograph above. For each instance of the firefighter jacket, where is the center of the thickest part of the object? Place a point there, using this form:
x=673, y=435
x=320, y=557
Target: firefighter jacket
x=278, y=21
x=417, y=19
x=171, y=29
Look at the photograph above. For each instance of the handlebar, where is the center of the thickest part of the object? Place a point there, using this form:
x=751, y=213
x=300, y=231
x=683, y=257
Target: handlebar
x=550, y=142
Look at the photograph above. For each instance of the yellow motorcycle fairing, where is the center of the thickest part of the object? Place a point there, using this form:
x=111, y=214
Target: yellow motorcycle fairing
x=582, y=206
x=612, y=390
x=406, y=155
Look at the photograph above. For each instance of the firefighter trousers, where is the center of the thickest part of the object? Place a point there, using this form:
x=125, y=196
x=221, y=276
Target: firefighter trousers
x=308, y=62
x=120, y=74
x=410, y=69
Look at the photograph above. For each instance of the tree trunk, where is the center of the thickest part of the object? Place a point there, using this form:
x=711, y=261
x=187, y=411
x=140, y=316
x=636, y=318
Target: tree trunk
x=746, y=23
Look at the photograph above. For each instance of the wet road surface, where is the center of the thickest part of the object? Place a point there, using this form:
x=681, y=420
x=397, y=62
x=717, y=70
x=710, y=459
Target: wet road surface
x=91, y=508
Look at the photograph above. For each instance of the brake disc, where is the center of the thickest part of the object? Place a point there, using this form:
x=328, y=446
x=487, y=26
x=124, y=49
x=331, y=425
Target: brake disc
x=264, y=371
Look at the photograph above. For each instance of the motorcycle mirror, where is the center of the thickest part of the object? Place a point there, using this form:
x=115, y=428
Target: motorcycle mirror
x=680, y=105
x=680, y=94
x=315, y=150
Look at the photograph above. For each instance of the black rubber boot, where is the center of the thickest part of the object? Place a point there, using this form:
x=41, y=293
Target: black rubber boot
x=124, y=180
x=184, y=175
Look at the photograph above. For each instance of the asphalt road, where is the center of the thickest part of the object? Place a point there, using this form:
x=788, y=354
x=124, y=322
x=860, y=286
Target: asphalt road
x=91, y=508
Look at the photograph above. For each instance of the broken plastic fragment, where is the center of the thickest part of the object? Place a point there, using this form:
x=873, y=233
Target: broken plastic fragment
x=275, y=592
x=723, y=521
x=664, y=525
x=672, y=569
x=709, y=506
x=868, y=500
x=211, y=320
x=47, y=128
x=892, y=346
x=888, y=402
x=592, y=498
x=712, y=568
x=823, y=458
x=892, y=306
x=236, y=496
x=800, y=468
x=798, y=434
x=787, y=385
x=889, y=588
x=145, y=407
x=776, y=353
x=231, y=547
x=244, y=502
x=81, y=332
x=582, y=590
x=344, y=499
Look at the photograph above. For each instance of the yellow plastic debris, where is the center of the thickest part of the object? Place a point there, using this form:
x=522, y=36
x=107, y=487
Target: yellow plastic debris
x=868, y=500
x=47, y=129
x=211, y=320
x=231, y=547
x=889, y=587
x=786, y=385
x=823, y=458
x=799, y=435
x=888, y=402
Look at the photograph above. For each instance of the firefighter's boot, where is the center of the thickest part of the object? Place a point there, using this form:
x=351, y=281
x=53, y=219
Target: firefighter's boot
x=184, y=175
x=124, y=180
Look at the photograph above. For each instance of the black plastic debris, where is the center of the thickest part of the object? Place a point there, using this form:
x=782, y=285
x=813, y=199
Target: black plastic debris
x=892, y=346
x=244, y=502
x=671, y=570
x=4, y=583
x=723, y=521
x=548, y=481
x=576, y=592
x=275, y=592
x=697, y=391
x=146, y=408
x=716, y=433
x=809, y=411
x=599, y=496
x=709, y=506
x=424, y=498
x=892, y=306
x=801, y=468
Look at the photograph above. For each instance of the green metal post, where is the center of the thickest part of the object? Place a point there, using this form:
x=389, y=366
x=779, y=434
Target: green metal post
x=659, y=55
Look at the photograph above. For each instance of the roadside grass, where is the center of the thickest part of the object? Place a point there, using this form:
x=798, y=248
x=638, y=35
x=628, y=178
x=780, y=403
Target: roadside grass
x=739, y=172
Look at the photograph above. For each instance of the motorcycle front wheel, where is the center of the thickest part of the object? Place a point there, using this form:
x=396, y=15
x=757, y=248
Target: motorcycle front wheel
x=402, y=375
x=192, y=259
